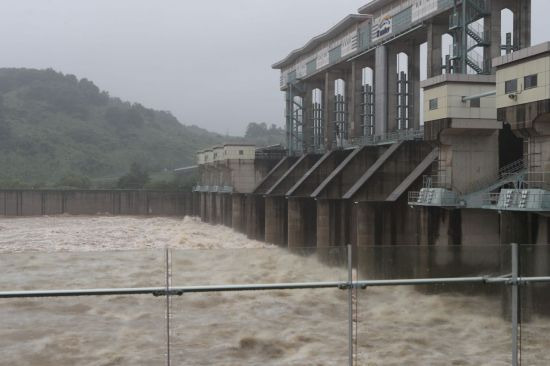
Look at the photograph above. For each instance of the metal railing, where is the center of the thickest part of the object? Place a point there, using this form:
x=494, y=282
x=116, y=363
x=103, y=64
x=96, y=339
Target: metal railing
x=514, y=280
x=213, y=189
x=428, y=197
x=435, y=181
x=519, y=199
x=387, y=138
x=506, y=172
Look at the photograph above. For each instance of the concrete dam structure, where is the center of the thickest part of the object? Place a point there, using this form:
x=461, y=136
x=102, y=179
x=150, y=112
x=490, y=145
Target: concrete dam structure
x=376, y=156
x=21, y=202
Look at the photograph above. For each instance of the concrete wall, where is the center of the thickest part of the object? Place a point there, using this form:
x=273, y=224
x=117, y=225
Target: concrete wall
x=37, y=203
x=468, y=158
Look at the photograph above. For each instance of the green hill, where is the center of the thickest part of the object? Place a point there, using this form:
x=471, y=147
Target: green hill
x=54, y=125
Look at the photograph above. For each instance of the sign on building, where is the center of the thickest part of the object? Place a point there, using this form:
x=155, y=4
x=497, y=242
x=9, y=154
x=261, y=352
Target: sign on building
x=382, y=27
x=322, y=58
x=349, y=43
x=301, y=70
x=423, y=8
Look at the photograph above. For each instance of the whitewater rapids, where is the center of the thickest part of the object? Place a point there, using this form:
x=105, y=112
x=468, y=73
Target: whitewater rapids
x=395, y=326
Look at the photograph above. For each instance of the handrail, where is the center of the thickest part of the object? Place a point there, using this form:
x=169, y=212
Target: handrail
x=342, y=285
x=505, y=172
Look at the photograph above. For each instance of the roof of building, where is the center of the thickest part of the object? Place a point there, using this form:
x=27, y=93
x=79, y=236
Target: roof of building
x=318, y=40
x=522, y=54
x=271, y=147
x=373, y=6
x=458, y=78
x=243, y=145
x=186, y=169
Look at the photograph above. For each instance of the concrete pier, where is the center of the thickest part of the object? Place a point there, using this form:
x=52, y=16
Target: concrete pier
x=276, y=207
x=238, y=212
x=301, y=223
x=276, y=220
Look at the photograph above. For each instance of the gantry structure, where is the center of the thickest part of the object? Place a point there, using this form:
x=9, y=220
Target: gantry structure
x=359, y=82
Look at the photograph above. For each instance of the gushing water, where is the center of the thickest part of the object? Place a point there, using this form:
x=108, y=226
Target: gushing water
x=395, y=326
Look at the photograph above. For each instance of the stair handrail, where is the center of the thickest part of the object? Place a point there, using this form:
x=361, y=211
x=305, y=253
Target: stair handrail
x=512, y=169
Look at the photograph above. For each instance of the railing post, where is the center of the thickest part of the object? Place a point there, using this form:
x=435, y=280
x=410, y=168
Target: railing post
x=515, y=306
x=350, y=305
x=168, y=305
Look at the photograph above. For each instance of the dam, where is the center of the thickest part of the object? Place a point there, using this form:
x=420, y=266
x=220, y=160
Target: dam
x=377, y=156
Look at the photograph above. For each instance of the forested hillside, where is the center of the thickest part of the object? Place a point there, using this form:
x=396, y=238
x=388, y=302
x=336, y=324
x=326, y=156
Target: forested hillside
x=54, y=125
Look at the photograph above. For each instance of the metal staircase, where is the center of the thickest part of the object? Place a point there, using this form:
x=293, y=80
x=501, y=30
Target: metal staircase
x=340, y=122
x=294, y=120
x=367, y=110
x=513, y=173
x=479, y=195
x=317, y=130
x=469, y=35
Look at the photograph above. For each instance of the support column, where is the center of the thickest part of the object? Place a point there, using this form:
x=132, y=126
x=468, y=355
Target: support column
x=366, y=225
x=492, y=26
x=391, y=96
x=276, y=220
x=328, y=97
x=368, y=240
x=227, y=202
x=302, y=222
x=308, y=121
x=514, y=228
x=288, y=117
x=333, y=223
x=207, y=206
x=381, y=90
x=355, y=89
x=202, y=206
x=255, y=218
x=212, y=210
x=238, y=213
x=323, y=223
x=435, y=53
x=218, y=215
x=522, y=24
x=414, y=86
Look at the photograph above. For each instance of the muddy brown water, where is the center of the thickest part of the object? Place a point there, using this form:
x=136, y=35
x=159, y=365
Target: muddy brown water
x=394, y=326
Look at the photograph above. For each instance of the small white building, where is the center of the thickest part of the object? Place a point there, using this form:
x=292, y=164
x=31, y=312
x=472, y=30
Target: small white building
x=443, y=99
x=200, y=157
x=523, y=76
x=218, y=154
x=239, y=152
x=208, y=156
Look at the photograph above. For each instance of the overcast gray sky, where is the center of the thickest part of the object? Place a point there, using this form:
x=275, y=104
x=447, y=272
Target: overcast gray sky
x=208, y=61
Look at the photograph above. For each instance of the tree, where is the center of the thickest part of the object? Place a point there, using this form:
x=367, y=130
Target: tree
x=75, y=181
x=262, y=135
x=137, y=178
x=5, y=127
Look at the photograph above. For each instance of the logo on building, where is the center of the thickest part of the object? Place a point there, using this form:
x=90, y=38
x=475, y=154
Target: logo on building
x=382, y=28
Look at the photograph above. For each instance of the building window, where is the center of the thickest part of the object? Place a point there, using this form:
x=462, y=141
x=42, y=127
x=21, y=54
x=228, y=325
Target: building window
x=475, y=103
x=530, y=81
x=511, y=86
x=433, y=104
x=241, y=152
